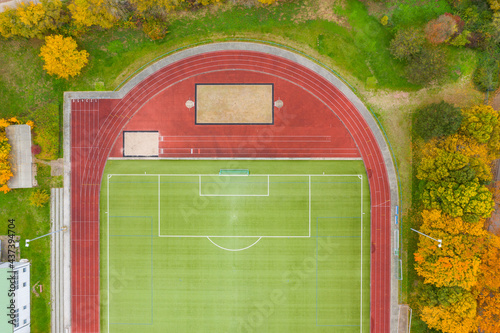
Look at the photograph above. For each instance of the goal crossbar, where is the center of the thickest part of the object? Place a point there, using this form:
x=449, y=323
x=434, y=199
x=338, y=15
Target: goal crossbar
x=234, y=172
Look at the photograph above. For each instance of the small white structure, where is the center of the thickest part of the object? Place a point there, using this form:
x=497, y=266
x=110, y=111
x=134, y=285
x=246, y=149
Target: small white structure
x=21, y=159
x=15, y=297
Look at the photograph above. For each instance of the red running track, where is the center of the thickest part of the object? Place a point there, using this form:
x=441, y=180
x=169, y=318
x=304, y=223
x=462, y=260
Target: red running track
x=317, y=121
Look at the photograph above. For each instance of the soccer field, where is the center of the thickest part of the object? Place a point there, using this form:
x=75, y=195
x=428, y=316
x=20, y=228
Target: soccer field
x=285, y=248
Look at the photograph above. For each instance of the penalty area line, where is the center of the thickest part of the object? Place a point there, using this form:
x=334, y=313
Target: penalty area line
x=234, y=250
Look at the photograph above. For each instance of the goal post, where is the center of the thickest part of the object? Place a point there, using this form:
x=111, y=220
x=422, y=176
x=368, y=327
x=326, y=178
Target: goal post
x=234, y=172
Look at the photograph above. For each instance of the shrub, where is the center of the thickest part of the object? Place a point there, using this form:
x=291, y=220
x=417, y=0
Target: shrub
x=61, y=56
x=39, y=198
x=437, y=120
x=407, y=43
x=384, y=20
x=155, y=8
x=36, y=149
x=441, y=29
x=462, y=39
x=47, y=131
x=430, y=64
x=475, y=40
x=155, y=29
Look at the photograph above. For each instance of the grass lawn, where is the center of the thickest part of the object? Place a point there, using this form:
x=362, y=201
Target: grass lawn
x=31, y=222
x=288, y=253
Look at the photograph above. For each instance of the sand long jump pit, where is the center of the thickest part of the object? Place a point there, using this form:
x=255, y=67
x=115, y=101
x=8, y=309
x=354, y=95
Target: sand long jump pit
x=218, y=104
x=140, y=143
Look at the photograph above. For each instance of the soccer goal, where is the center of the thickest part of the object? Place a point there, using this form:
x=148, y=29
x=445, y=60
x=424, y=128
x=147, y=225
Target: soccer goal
x=234, y=172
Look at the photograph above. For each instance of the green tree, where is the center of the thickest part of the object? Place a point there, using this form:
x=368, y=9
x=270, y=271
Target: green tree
x=436, y=120
x=482, y=123
x=406, y=43
x=469, y=200
x=486, y=74
x=454, y=160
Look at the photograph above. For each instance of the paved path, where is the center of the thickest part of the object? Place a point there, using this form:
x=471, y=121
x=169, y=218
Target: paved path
x=59, y=265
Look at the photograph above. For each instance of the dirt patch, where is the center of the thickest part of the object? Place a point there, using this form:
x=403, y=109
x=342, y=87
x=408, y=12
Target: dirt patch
x=494, y=221
x=461, y=93
x=495, y=101
x=57, y=167
x=376, y=9
x=320, y=10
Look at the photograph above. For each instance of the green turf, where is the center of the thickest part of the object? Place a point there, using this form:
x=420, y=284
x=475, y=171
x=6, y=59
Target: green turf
x=308, y=273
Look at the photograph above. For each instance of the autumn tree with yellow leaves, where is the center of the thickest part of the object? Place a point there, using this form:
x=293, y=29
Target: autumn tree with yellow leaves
x=457, y=262
x=448, y=309
x=460, y=287
x=489, y=287
x=87, y=13
x=5, y=147
x=61, y=56
x=5, y=170
x=454, y=171
x=32, y=20
x=482, y=123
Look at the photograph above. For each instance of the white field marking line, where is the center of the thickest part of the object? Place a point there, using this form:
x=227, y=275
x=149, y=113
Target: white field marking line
x=159, y=206
x=107, y=242
x=234, y=195
x=216, y=174
x=361, y=301
x=222, y=236
x=310, y=206
x=234, y=250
